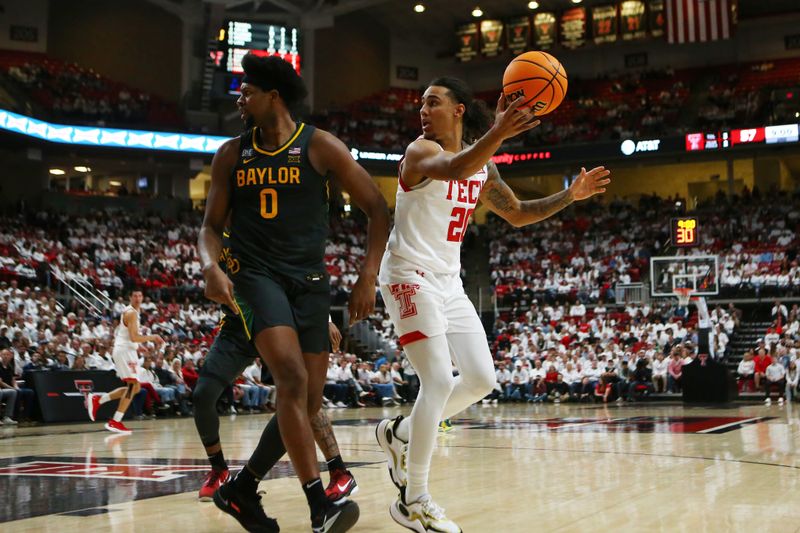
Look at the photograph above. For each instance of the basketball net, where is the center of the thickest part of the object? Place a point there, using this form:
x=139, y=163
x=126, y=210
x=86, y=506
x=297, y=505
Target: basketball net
x=684, y=294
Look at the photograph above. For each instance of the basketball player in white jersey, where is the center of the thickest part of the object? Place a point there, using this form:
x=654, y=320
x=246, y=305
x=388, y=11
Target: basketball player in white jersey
x=443, y=175
x=126, y=360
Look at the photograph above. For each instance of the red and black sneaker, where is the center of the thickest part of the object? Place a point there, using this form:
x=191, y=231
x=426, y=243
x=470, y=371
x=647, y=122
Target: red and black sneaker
x=213, y=481
x=342, y=485
x=245, y=508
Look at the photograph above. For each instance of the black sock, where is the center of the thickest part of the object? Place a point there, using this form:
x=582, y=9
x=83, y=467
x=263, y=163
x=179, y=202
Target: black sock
x=246, y=480
x=315, y=495
x=217, y=461
x=336, y=464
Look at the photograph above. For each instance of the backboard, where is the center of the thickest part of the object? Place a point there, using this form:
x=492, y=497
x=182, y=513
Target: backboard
x=697, y=272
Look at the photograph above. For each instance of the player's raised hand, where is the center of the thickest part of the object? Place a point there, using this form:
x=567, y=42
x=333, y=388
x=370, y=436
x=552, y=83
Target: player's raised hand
x=219, y=288
x=511, y=120
x=587, y=184
x=362, y=299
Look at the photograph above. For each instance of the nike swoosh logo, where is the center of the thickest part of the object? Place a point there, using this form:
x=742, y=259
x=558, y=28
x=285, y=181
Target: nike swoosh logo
x=343, y=487
x=244, y=162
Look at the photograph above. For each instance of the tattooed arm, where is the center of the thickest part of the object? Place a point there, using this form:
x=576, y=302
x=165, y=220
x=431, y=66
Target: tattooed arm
x=500, y=199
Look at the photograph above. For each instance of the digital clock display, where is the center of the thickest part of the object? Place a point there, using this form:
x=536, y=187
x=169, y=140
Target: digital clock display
x=685, y=231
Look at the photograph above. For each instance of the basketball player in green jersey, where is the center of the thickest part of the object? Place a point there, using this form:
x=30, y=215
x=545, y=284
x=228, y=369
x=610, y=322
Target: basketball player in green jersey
x=231, y=352
x=272, y=181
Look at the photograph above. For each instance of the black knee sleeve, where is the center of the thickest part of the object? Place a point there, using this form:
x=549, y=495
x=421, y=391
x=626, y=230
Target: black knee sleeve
x=205, y=395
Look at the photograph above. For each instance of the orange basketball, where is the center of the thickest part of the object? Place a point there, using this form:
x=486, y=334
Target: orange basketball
x=539, y=78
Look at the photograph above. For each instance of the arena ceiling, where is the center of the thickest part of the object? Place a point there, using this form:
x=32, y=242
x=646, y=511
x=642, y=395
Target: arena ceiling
x=435, y=25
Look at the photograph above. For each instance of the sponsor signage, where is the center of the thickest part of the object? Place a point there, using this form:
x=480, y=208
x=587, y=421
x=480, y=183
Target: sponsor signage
x=510, y=159
x=374, y=156
x=630, y=147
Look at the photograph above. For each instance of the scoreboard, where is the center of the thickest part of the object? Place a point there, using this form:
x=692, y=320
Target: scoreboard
x=237, y=38
x=684, y=232
x=780, y=134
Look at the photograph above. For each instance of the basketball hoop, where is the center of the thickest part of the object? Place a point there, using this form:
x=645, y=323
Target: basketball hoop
x=684, y=294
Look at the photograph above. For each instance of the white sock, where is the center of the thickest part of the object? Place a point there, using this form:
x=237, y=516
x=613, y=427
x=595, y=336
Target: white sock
x=417, y=481
x=431, y=360
x=118, y=416
x=104, y=398
x=476, y=376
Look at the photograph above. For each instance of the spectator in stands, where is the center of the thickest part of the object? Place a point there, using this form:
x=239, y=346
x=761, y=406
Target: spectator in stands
x=745, y=372
x=383, y=383
x=641, y=384
x=775, y=377
x=517, y=390
x=400, y=384
x=189, y=372
x=761, y=362
x=503, y=376
x=675, y=370
x=660, y=368
x=9, y=391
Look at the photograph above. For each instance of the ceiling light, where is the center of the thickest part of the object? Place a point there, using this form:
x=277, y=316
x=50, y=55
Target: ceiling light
x=577, y=1
x=115, y=183
x=533, y=5
x=82, y=169
x=477, y=12
x=57, y=172
x=419, y=8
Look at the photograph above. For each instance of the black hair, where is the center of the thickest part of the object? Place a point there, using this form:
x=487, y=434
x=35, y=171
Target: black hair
x=273, y=73
x=477, y=116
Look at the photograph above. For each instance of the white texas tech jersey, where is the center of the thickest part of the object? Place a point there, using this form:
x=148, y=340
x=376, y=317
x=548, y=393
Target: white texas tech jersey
x=430, y=221
x=122, y=337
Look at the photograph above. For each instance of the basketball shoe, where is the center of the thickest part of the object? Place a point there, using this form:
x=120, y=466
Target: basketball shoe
x=422, y=515
x=117, y=427
x=445, y=426
x=395, y=449
x=213, y=481
x=342, y=485
x=92, y=405
x=337, y=518
x=245, y=507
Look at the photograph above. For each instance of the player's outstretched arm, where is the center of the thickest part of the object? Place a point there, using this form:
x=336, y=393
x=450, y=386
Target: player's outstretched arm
x=209, y=242
x=329, y=155
x=426, y=159
x=501, y=200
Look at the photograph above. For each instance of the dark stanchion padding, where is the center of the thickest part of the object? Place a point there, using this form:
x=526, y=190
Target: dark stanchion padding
x=62, y=393
x=707, y=381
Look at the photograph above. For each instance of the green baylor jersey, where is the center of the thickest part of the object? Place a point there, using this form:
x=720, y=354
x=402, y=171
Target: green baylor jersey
x=279, y=220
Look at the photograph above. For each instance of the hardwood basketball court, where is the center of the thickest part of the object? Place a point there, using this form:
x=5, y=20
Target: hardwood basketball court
x=508, y=468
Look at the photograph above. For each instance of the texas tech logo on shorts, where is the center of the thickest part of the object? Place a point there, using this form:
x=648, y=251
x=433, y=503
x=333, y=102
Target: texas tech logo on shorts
x=403, y=292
